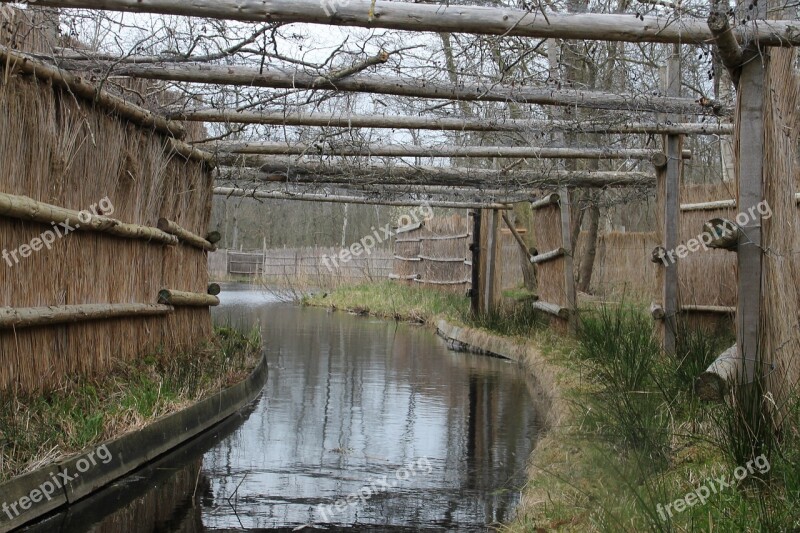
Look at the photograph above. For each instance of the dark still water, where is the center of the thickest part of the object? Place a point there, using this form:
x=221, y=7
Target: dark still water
x=363, y=423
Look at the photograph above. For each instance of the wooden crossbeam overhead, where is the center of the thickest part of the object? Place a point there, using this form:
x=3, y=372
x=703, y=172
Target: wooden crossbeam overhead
x=277, y=78
x=330, y=198
x=521, y=152
x=452, y=19
x=501, y=196
x=281, y=170
x=444, y=124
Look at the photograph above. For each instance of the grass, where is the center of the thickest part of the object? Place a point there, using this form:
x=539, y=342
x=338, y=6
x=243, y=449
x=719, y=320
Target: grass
x=633, y=438
x=394, y=301
x=36, y=430
x=637, y=440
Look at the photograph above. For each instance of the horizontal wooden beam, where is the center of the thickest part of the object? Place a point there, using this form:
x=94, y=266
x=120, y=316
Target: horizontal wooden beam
x=716, y=309
x=516, y=152
x=452, y=18
x=709, y=206
x=16, y=318
x=546, y=201
x=184, y=235
x=277, y=78
x=327, y=120
x=19, y=62
x=280, y=170
x=548, y=256
x=327, y=198
x=434, y=282
x=553, y=309
x=187, y=299
x=24, y=208
x=405, y=278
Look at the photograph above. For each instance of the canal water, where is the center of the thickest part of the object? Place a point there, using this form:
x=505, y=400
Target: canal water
x=363, y=424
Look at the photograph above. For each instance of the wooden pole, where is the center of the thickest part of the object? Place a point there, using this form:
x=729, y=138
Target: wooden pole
x=721, y=377
x=184, y=235
x=11, y=318
x=186, y=299
x=450, y=19
x=24, y=208
x=328, y=120
x=569, y=267
x=276, y=78
x=548, y=256
x=492, y=248
x=728, y=49
x=517, y=152
x=670, y=178
x=475, y=248
x=279, y=170
x=310, y=197
x=709, y=206
x=750, y=160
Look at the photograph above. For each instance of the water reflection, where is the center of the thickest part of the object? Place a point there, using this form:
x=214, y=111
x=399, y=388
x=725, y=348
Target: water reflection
x=348, y=401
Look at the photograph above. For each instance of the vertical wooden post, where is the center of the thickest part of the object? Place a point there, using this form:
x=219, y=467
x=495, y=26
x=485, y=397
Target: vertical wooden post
x=569, y=271
x=475, y=294
x=492, y=242
x=670, y=182
x=750, y=161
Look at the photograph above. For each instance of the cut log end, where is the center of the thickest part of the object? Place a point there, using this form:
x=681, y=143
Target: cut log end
x=657, y=312
x=214, y=237
x=214, y=289
x=720, y=378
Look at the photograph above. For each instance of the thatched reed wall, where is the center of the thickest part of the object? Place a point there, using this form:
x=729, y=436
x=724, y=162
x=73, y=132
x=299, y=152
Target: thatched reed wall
x=547, y=237
x=314, y=266
x=512, y=261
x=63, y=151
x=437, y=252
x=707, y=277
x=780, y=299
x=623, y=270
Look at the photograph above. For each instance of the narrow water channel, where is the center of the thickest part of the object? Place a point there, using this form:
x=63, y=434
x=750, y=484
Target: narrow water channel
x=419, y=437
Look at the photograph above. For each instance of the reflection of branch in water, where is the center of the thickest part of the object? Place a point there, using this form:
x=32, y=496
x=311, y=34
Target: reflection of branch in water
x=235, y=492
